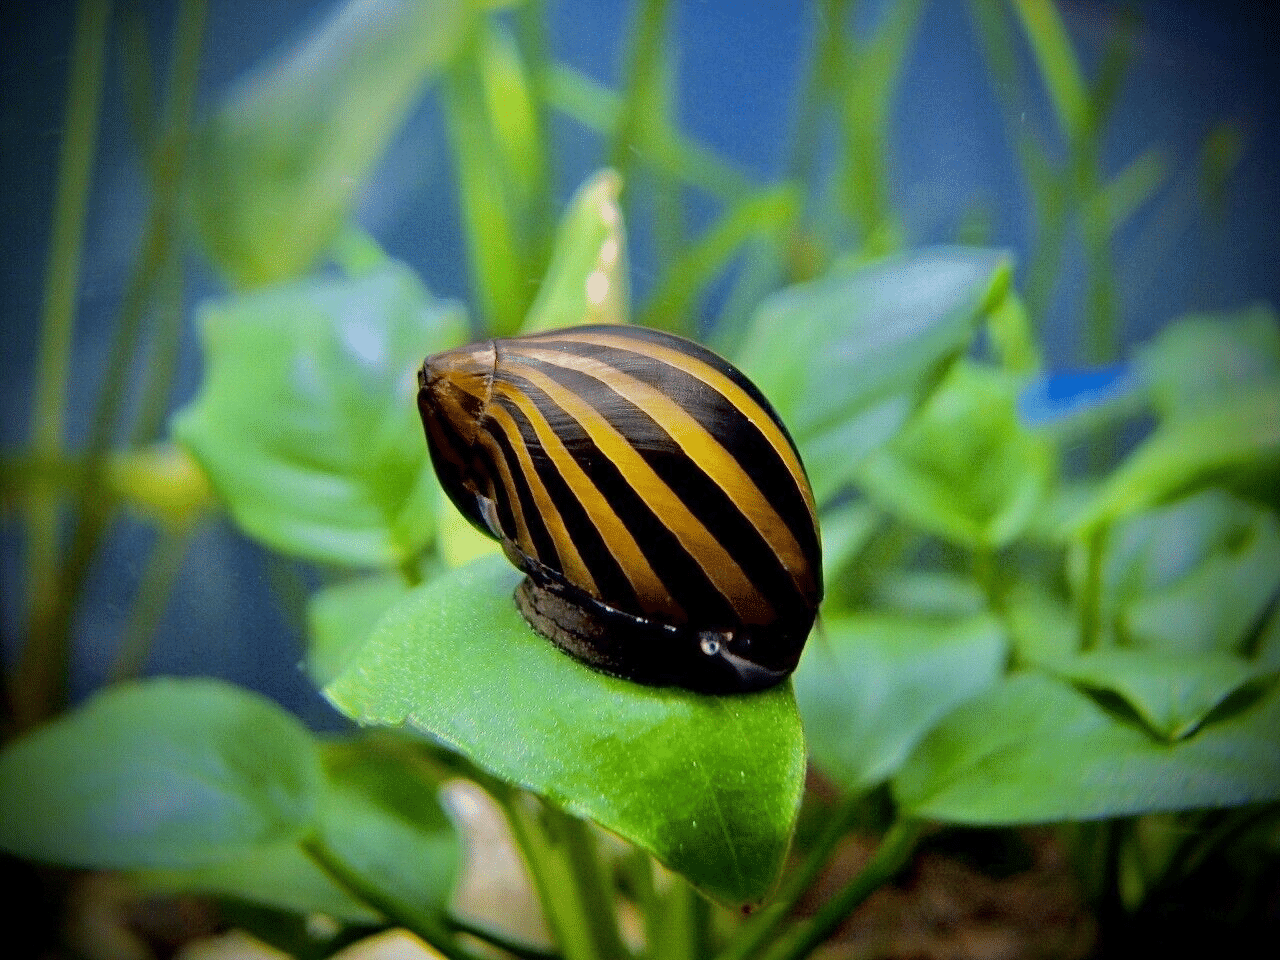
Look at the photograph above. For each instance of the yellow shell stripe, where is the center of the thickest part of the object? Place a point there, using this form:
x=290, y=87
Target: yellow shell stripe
x=617, y=538
x=523, y=539
x=570, y=559
x=717, y=381
x=703, y=449
x=716, y=562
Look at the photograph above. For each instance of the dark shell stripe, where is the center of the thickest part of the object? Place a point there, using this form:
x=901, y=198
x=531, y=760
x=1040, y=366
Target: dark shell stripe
x=728, y=445
x=597, y=516
x=695, y=360
x=683, y=586
x=705, y=498
x=516, y=443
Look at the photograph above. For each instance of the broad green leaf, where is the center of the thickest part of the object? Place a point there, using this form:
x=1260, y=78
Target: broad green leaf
x=162, y=773
x=340, y=619
x=279, y=875
x=869, y=687
x=965, y=468
x=1171, y=692
x=1194, y=575
x=929, y=593
x=1193, y=362
x=823, y=351
x=709, y=785
x=1036, y=750
x=587, y=279
x=1239, y=434
x=1042, y=625
x=307, y=425
x=277, y=169
x=846, y=529
x=382, y=821
x=832, y=458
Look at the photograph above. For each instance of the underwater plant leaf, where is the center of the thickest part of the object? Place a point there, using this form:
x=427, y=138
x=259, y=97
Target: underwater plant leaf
x=709, y=785
x=870, y=687
x=1172, y=692
x=1193, y=575
x=1197, y=359
x=278, y=875
x=964, y=468
x=586, y=281
x=1238, y=434
x=825, y=350
x=381, y=819
x=1034, y=749
x=341, y=617
x=160, y=773
x=279, y=166
x=306, y=423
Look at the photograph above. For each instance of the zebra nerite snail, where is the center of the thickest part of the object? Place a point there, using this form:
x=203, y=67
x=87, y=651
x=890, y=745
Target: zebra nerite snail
x=648, y=491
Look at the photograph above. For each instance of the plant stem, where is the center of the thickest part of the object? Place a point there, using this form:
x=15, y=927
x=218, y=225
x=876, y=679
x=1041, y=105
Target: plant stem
x=560, y=852
x=764, y=925
x=597, y=107
x=161, y=573
x=501, y=941
x=40, y=677
x=894, y=852
x=642, y=89
x=430, y=928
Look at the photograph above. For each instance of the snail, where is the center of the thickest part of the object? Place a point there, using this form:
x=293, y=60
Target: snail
x=648, y=491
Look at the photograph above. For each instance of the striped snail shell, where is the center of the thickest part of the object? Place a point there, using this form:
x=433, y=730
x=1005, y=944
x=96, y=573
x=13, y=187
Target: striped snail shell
x=648, y=491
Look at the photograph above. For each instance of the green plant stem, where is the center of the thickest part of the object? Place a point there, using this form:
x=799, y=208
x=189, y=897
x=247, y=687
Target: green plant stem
x=430, y=928
x=597, y=107
x=502, y=942
x=531, y=40
x=1051, y=47
x=497, y=266
x=170, y=172
x=641, y=92
x=768, y=213
x=572, y=887
x=894, y=853
x=39, y=681
x=764, y=925
x=677, y=920
x=158, y=579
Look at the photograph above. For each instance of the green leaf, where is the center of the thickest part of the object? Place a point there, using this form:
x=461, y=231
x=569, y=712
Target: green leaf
x=587, y=279
x=306, y=424
x=965, y=468
x=164, y=773
x=1171, y=692
x=278, y=168
x=709, y=785
x=823, y=351
x=340, y=619
x=276, y=875
x=1192, y=576
x=1193, y=362
x=870, y=687
x=1237, y=435
x=832, y=457
x=382, y=821
x=1036, y=750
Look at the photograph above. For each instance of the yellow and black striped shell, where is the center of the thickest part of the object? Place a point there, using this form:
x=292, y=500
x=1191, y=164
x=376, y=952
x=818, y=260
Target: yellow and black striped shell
x=648, y=491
